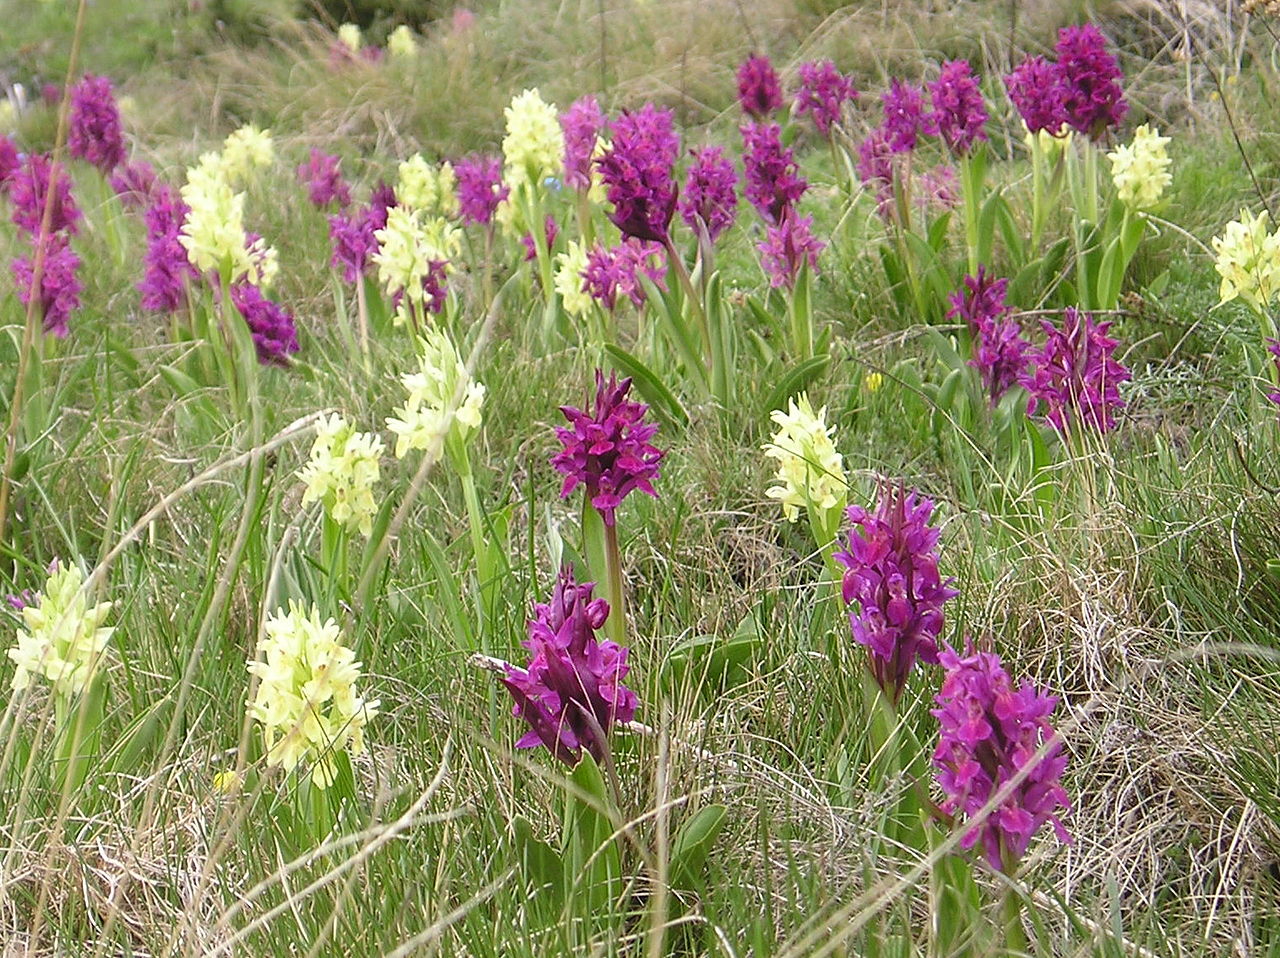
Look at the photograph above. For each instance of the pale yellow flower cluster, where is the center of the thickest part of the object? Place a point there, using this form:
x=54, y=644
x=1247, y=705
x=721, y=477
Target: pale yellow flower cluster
x=423, y=187
x=534, y=144
x=341, y=473
x=810, y=471
x=569, y=284
x=1248, y=261
x=444, y=402
x=306, y=700
x=245, y=150
x=407, y=247
x=64, y=638
x=349, y=37
x=213, y=232
x=1140, y=170
x=401, y=44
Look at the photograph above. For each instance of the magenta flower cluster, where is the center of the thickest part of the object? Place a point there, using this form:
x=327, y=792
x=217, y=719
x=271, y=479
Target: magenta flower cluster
x=1075, y=377
x=787, y=246
x=904, y=117
x=891, y=573
x=614, y=271
x=823, y=92
x=571, y=692
x=608, y=450
x=167, y=270
x=135, y=184
x=759, y=89
x=959, y=116
x=480, y=188
x=352, y=234
x=275, y=336
x=93, y=132
x=999, y=349
x=990, y=733
x=1081, y=90
x=47, y=276
x=10, y=162
x=773, y=179
x=323, y=178
x=638, y=172
x=710, y=197
x=59, y=286
x=581, y=124
x=40, y=183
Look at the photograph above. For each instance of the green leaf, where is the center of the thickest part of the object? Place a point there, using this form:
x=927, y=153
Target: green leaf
x=542, y=866
x=677, y=333
x=448, y=592
x=795, y=381
x=692, y=842
x=938, y=231
x=655, y=391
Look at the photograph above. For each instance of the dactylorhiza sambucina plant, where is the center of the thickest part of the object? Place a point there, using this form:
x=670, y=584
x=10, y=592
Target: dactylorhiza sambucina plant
x=607, y=451
x=533, y=151
x=991, y=732
x=1074, y=379
x=341, y=472
x=810, y=471
x=822, y=95
x=426, y=187
x=999, y=350
x=759, y=87
x=959, y=119
x=571, y=692
x=322, y=176
x=893, y=587
x=1248, y=261
x=306, y=701
x=94, y=133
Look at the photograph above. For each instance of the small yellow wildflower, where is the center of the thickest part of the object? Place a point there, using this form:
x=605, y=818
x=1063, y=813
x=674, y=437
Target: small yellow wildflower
x=64, y=638
x=872, y=382
x=534, y=144
x=1248, y=261
x=1140, y=170
x=306, y=700
x=810, y=471
x=341, y=473
x=401, y=44
x=227, y=781
x=444, y=402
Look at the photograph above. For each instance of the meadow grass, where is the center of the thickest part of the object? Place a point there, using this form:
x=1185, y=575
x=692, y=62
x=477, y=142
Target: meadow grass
x=1141, y=594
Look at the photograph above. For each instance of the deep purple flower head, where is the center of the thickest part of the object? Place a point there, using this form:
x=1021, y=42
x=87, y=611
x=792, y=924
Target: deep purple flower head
x=615, y=271
x=959, y=115
x=134, y=183
x=991, y=732
x=10, y=161
x=787, y=246
x=1036, y=90
x=608, y=449
x=480, y=188
x=275, y=336
x=823, y=92
x=550, y=230
x=637, y=169
x=324, y=181
x=876, y=169
x=167, y=270
x=903, y=116
x=773, y=179
x=571, y=693
x=999, y=349
x=94, y=132
x=1092, y=99
x=710, y=197
x=759, y=89
x=891, y=571
x=29, y=191
x=582, y=124
x=381, y=199
x=59, y=287
x=351, y=234
x=1075, y=376
x=1273, y=347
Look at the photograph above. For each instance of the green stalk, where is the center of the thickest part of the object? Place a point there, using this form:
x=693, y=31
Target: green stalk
x=1037, y=194
x=1091, y=181
x=600, y=543
x=971, y=195
x=1015, y=939
x=676, y=263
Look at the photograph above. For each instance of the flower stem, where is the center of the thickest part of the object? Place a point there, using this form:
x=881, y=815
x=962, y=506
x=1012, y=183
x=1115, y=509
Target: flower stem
x=485, y=576
x=600, y=542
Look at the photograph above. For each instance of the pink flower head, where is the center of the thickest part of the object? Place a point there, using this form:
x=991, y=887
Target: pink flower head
x=759, y=89
x=352, y=234
x=94, y=133
x=959, y=115
x=823, y=92
x=571, y=693
x=10, y=162
x=637, y=169
x=980, y=302
x=275, y=336
x=1092, y=99
x=710, y=198
x=903, y=116
x=990, y=733
x=773, y=178
x=1075, y=376
x=134, y=183
x=582, y=123
x=60, y=288
x=480, y=188
x=324, y=181
x=891, y=571
x=30, y=193
x=607, y=450
x=167, y=270
x=999, y=349
x=615, y=271
x=876, y=166
x=1035, y=88
x=787, y=246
